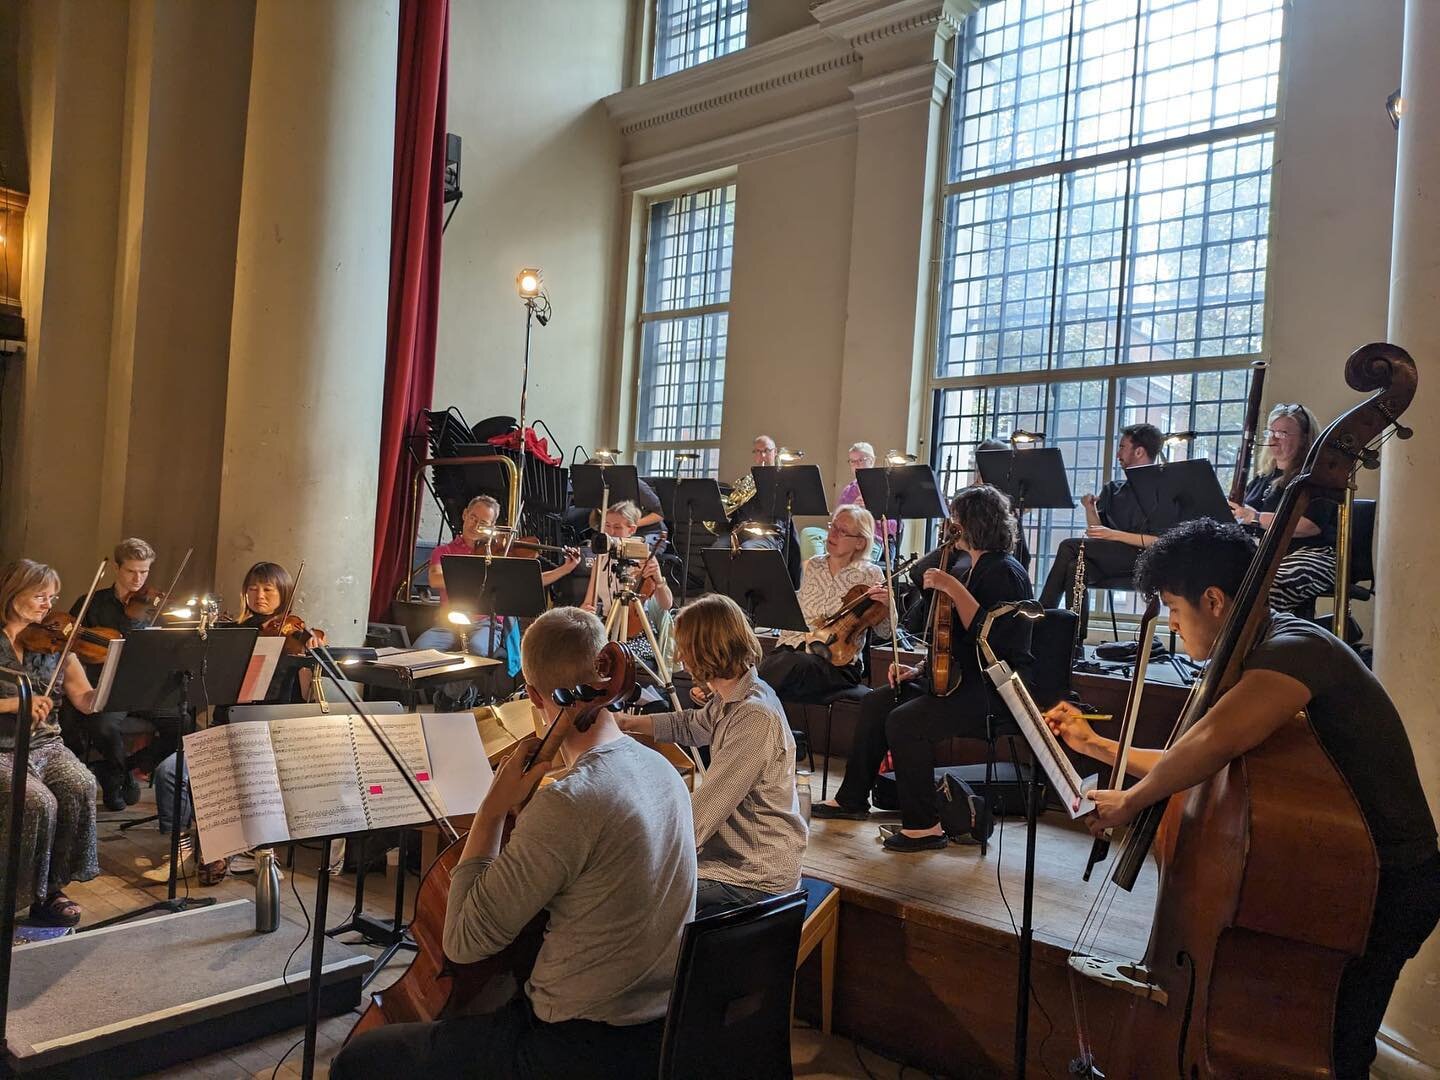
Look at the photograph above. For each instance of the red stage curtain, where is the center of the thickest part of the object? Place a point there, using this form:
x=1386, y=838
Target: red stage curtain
x=415, y=237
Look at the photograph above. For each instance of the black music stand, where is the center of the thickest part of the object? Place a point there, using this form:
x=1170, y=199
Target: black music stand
x=697, y=498
x=798, y=488
x=588, y=484
x=157, y=670
x=664, y=488
x=1180, y=491
x=1033, y=479
x=497, y=587
x=902, y=492
x=757, y=579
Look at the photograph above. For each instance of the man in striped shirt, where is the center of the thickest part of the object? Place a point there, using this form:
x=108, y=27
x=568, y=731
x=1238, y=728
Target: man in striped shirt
x=749, y=833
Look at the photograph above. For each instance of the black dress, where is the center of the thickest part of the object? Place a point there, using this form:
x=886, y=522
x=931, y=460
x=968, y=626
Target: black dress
x=1308, y=568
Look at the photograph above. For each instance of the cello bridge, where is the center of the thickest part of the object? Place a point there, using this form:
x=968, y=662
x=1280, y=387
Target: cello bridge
x=1133, y=979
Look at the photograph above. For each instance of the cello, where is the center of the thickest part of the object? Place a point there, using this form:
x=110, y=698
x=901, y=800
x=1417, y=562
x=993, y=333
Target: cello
x=433, y=987
x=1267, y=869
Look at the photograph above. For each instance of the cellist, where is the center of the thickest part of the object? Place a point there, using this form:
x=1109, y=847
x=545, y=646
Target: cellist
x=608, y=850
x=1196, y=569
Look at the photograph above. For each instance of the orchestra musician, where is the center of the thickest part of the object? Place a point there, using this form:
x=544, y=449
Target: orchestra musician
x=794, y=673
x=1196, y=569
x=1117, y=526
x=762, y=452
x=907, y=718
x=57, y=833
x=608, y=851
x=104, y=730
x=748, y=828
x=1308, y=569
x=812, y=540
x=621, y=522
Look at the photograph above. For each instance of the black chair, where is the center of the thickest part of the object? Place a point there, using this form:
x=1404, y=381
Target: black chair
x=730, y=1009
x=379, y=635
x=1362, y=554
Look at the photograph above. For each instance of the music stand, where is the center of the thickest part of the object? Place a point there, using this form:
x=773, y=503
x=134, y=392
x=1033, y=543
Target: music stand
x=757, y=579
x=698, y=498
x=798, y=487
x=1033, y=479
x=664, y=488
x=588, y=485
x=156, y=671
x=1180, y=491
x=902, y=492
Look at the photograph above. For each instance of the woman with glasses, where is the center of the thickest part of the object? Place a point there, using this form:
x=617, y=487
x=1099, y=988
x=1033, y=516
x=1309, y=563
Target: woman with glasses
x=794, y=673
x=57, y=833
x=906, y=719
x=1308, y=569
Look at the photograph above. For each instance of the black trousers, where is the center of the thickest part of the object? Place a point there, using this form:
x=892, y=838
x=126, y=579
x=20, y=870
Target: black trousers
x=508, y=1044
x=105, y=734
x=1103, y=559
x=1407, y=910
x=908, y=725
x=796, y=675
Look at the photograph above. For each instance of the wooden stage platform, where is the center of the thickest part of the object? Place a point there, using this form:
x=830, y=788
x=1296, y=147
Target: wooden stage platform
x=927, y=962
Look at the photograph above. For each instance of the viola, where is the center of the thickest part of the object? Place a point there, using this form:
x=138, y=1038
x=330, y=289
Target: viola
x=293, y=629
x=944, y=672
x=840, y=637
x=434, y=987
x=144, y=604
x=92, y=643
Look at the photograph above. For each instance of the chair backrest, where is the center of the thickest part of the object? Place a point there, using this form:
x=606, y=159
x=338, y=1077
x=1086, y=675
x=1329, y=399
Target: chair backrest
x=1362, y=541
x=380, y=635
x=730, y=1009
x=1052, y=643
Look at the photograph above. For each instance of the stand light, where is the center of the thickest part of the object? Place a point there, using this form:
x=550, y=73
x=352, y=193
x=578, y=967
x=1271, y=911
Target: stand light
x=1020, y=438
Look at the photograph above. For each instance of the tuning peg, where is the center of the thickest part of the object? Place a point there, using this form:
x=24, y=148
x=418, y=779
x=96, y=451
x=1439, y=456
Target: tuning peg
x=1369, y=459
x=1403, y=432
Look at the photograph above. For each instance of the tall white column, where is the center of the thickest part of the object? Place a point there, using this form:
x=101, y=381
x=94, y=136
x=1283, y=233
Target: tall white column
x=1407, y=627
x=307, y=345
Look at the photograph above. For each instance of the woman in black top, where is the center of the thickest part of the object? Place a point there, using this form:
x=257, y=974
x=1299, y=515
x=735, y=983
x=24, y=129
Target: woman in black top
x=908, y=720
x=1308, y=570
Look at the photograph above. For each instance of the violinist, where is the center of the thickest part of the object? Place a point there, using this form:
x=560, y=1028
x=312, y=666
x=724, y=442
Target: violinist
x=268, y=589
x=908, y=718
x=1196, y=569
x=748, y=828
x=122, y=607
x=57, y=834
x=794, y=673
x=608, y=851
x=1308, y=569
x=622, y=521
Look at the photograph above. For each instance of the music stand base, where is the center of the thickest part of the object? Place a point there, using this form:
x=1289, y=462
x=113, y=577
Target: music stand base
x=160, y=907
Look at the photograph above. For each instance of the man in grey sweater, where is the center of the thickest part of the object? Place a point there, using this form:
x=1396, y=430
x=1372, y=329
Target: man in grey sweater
x=607, y=850
x=748, y=827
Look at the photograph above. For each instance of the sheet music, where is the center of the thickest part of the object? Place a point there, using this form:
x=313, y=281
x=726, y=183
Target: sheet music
x=235, y=788
x=462, y=767
x=1059, y=771
x=261, y=668
x=388, y=798
x=315, y=761
x=107, y=673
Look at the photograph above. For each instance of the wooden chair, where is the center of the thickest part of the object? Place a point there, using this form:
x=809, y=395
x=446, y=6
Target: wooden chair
x=822, y=928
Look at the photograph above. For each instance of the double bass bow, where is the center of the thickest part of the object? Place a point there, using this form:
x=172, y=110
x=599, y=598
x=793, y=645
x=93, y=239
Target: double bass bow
x=1267, y=869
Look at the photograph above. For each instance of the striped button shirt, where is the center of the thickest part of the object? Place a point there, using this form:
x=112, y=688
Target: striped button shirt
x=748, y=828
x=823, y=593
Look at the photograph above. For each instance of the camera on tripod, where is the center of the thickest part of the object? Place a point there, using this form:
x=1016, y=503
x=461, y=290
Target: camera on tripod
x=629, y=549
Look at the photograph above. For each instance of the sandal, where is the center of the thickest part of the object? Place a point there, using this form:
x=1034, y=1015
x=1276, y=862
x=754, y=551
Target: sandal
x=212, y=873
x=58, y=910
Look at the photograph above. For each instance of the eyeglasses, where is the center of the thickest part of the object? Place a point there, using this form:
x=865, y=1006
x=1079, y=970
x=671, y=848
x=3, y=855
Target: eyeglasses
x=835, y=528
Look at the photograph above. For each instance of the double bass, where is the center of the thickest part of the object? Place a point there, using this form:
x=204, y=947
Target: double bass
x=1267, y=869
x=433, y=987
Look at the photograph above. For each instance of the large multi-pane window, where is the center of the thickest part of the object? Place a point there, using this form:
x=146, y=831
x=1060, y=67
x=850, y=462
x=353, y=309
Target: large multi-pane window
x=1107, y=211
x=690, y=32
x=684, y=319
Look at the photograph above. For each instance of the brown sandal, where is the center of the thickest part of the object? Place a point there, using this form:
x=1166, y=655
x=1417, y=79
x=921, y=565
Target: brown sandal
x=212, y=873
x=58, y=910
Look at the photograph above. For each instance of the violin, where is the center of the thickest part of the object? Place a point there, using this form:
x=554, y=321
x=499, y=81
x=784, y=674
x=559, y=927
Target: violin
x=434, y=987
x=293, y=629
x=840, y=637
x=144, y=604
x=92, y=643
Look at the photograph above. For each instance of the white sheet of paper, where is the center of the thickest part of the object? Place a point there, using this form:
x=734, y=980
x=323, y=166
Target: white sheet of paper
x=388, y=799
x=235, y=788
x=315, y=760
x=107, y=673
x=261, y=668
x=1064, y=779
x=462, y=768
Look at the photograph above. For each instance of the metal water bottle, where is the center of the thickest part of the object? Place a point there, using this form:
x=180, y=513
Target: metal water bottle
x=267, y=891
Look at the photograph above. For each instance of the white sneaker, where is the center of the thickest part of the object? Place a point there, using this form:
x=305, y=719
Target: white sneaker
x=244, y=863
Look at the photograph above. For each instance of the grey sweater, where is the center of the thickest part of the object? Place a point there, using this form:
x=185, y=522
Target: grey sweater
x=748, y=826
x=608, y=850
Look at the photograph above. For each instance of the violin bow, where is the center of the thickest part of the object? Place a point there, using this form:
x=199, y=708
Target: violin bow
x=165, y=599
x=294, y=591
x=75, y=628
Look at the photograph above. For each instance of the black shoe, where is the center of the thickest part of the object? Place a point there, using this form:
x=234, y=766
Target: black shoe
x=901, y=842
x=820, y=810
x=115, y=799
x=130, y=789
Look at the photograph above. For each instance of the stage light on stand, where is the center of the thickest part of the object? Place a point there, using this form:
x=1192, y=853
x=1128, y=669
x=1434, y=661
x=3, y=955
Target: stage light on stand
x=1020, y=438
x=528, y=283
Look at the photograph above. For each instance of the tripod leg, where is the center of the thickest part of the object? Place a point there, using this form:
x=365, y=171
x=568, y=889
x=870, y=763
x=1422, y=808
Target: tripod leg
x=662, y=675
